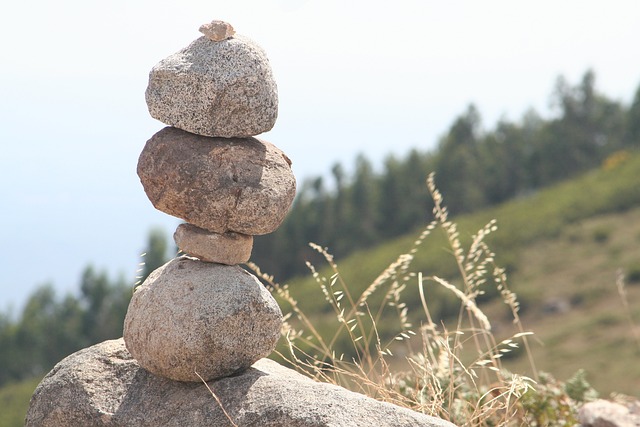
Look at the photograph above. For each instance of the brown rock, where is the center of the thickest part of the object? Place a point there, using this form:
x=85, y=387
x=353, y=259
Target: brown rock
x=103, y=386
x=217, y=30
x=243, y=185
x=193, y=316
x=229, y=248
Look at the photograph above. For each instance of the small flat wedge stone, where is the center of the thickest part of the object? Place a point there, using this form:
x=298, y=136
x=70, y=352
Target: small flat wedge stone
x=217, y=30
x=191, y=316
x=243, y=185
x=224, y=88
x=229, y=248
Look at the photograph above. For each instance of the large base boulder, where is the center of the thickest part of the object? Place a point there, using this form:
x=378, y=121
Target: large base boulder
x=104, y=386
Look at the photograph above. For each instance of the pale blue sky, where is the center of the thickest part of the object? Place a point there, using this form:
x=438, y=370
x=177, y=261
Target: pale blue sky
x=353, y=76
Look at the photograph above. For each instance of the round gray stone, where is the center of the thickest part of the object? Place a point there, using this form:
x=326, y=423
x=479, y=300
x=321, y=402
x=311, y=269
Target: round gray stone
x=191, y=316
x=224, y=88
x=229, y=248
x=243, y=185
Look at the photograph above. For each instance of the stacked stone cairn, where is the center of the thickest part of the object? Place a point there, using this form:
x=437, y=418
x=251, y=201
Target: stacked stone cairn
x=201, y=316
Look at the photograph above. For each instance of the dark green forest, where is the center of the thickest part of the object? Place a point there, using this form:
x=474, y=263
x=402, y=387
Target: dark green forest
x=51, y=327
x=476, y=168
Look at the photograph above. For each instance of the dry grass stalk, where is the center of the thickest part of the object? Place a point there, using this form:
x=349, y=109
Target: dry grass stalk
x=622, y=291
x=224, y=411
x=439, y=380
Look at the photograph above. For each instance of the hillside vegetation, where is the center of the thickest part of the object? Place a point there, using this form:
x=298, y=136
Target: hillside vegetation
x=565, y=192
x=476, y=168
x=562, y=247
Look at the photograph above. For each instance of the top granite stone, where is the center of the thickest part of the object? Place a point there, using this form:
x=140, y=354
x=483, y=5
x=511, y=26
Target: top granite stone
x=215, y=88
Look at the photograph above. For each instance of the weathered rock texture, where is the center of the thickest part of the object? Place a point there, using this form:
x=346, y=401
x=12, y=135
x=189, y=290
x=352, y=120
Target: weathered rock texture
x=193, y=316
x=243, y=185
x=223, y=88
x=602, y=413
x=228, y=248
x=103, y=386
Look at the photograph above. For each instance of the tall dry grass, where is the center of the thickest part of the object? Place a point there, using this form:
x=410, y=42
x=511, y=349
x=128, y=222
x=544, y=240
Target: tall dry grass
x=452, y=370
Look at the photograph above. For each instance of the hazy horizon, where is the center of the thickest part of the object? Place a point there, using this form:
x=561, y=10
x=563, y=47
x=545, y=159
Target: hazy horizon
x=357, y=77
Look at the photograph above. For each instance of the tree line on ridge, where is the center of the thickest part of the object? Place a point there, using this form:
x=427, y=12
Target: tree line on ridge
x=475, y=168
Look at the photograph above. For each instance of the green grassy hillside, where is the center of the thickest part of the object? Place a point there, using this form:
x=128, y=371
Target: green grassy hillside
x=14, y=402
x=573, y=305
x=562, y=248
